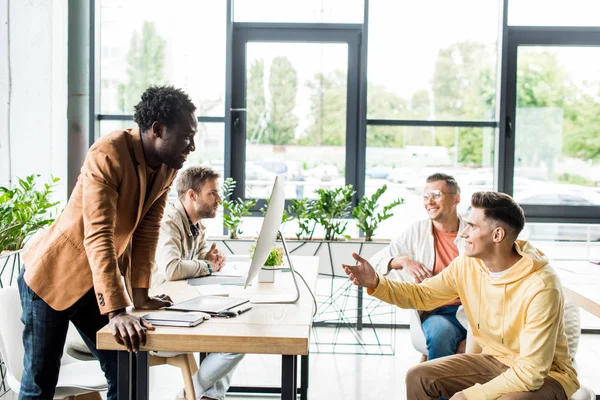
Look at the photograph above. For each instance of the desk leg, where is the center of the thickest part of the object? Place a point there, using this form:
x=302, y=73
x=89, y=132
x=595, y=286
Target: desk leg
x=124, y=375
x=304, y=377
x=142, y=387
x=289, y=381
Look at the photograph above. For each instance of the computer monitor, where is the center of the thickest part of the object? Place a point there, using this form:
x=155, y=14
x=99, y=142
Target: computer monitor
x=266, y=242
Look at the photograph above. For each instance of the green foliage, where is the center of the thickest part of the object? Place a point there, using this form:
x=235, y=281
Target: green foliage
x=283, y=85
x=464, y=88
x=145, y=65
x=330, y=208
x=235, y=210
x=274, y=259
x=302, y=211
x=365, y=212
x=285, y=217
x=327, y=125
x=575, y=180
x=23, y=211
x=256, y=122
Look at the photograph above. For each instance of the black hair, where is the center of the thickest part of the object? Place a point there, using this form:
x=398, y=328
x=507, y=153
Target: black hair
x=163, y=104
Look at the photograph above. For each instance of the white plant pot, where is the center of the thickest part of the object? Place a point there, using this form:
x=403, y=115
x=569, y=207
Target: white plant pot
x=266, y=275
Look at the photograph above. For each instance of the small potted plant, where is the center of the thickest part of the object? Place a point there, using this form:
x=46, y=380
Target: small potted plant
x=275, y=259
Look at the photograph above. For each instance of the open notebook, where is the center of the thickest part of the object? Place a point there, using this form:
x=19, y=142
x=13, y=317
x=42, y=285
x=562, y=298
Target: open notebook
x=176, y=318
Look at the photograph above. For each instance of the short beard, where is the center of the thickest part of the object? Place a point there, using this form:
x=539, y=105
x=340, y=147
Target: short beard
x=205, y=212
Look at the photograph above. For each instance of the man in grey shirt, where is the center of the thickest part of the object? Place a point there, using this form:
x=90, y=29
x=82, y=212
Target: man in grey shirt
x=182, y=249
x=183, y=253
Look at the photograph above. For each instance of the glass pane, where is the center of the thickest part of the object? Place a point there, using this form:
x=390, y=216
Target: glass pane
x=107, y=127
x=141, y=46
x=432, y=59
x=403, y=157
x=555, y=13
x=296, y=116
x=331, y=11
x=557, y=132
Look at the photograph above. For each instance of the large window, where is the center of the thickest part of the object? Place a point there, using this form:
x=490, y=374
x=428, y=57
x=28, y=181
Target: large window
x=315, y=11
x=432, y=60
x=144, y=42
x=557, y=129
x=554, y=13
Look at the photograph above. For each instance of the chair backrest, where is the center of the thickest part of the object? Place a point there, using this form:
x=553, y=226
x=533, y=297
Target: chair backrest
x=417, y=337
x=11, y=334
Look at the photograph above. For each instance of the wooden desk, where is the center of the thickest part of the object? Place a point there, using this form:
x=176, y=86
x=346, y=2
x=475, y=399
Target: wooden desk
x=581, y=284
x=266, y=329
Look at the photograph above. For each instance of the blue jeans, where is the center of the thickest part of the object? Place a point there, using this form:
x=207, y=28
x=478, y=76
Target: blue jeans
x=442, y=332
x=44, y=338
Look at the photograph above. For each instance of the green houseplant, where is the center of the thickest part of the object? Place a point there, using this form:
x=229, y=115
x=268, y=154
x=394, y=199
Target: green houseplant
x=235, y=210
x=366, y=215
x=330, y=208
x=275, y=258
x=23, y=211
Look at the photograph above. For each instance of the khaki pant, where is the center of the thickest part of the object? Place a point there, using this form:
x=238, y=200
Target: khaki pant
x=446, y=376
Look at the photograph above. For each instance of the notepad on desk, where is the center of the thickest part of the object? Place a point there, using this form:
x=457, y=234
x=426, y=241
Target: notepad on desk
x=175, y=318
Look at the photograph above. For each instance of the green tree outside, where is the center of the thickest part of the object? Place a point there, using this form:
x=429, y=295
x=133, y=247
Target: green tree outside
x=145, y=66
x=283, y=87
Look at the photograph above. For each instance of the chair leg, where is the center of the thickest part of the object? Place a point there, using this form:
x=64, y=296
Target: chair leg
x=187, y=364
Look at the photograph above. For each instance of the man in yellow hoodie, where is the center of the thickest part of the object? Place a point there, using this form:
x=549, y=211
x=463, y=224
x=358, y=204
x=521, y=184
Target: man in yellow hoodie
x=514, y=303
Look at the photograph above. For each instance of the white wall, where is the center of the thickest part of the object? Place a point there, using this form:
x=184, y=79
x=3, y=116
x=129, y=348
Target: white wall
x=38, y=104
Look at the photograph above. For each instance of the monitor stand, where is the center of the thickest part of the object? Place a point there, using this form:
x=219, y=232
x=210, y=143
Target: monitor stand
x=279, y=297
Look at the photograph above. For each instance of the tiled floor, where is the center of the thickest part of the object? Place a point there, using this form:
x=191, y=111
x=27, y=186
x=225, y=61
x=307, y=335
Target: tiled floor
x=345, y=376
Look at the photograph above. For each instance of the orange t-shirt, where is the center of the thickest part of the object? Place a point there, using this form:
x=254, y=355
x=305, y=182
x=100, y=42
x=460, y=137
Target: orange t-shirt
x=445, y=252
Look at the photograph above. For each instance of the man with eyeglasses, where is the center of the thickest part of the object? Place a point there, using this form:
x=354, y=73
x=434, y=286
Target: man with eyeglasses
x=424, y=250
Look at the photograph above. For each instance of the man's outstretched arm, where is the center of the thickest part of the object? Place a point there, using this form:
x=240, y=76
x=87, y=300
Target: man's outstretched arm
x=430, y=294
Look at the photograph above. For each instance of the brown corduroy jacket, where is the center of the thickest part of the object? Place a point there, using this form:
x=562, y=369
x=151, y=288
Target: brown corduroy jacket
x=108, y=230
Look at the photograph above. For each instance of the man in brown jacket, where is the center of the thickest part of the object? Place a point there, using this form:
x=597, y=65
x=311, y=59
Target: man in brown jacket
x=104, y=242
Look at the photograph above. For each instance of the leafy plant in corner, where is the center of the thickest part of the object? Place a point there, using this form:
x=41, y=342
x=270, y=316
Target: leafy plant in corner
x=235, y=210
x=367, y=219
x=332, y=206
x=23, y=211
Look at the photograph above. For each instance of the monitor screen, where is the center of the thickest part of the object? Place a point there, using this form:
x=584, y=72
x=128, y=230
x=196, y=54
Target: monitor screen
x=268, y=232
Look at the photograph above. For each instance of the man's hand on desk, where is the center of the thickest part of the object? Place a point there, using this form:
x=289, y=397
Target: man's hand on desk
x=362, y=274
x=128, y=330
x=215, y=257
x=143, y=301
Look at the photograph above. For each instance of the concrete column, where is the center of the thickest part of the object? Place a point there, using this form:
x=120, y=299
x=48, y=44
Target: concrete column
x=78, y=109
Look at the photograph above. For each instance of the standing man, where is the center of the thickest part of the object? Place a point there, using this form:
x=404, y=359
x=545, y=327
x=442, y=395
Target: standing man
x=183, y=253
x=108, y=231
x=425, y=250
x=514, y=303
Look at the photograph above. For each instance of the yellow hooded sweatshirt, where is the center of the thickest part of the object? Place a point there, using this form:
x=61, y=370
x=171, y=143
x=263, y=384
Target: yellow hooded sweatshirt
x=516, y=318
